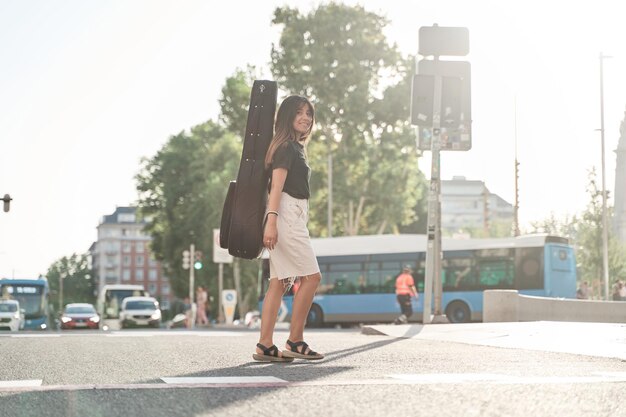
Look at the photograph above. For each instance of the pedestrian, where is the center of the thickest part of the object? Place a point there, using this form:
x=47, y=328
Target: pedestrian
x=621, y=289
x=286, y=235
x=405, y=289
x=201, y=300
x=616, y=291
x=583, y=291
x=188, y=312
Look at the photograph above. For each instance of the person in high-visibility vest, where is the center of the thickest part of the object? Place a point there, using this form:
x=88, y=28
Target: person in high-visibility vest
x=405, y=289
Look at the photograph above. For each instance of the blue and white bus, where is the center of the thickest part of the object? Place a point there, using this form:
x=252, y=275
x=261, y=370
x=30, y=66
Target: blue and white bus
x=359, y=272
x=33, y=297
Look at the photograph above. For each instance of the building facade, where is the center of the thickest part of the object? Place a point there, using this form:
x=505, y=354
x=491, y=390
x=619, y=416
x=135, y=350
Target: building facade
x=619, y=209
x=121, y=255
x=469, y=205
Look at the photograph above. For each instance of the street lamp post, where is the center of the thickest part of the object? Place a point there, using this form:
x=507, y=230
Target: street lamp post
x=605, y=234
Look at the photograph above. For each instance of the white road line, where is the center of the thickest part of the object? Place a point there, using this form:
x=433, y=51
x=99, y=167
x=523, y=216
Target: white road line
x=37, y=335
x=243, y=382
x=21, y=383
x=509, y=379
x=223, y=380
x=140, y=333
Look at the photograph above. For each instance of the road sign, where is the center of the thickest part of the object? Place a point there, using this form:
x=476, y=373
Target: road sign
x=455, y=111
x=229, y=301
x=220, y=255
x=439, y=40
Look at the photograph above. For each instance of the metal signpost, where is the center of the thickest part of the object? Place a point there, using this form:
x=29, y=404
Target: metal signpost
x=187, y=256
x=220, y=257
x=440, y=107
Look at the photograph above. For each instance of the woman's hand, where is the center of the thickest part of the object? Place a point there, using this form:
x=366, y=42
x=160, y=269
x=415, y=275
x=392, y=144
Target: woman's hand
x=270, y=235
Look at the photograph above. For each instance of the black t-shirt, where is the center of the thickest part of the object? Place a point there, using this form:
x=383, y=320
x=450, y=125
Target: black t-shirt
x=291, y=156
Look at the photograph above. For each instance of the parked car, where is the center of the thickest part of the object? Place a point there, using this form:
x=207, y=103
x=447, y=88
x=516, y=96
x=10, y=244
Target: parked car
x=11, y=316
x=80, y=316
x=140, y=311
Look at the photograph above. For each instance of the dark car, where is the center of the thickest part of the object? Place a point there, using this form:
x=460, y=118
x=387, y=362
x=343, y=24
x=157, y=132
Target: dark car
x=80, y=316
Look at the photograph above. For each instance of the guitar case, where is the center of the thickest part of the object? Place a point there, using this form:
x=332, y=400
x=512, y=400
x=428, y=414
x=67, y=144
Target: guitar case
x=241, y=228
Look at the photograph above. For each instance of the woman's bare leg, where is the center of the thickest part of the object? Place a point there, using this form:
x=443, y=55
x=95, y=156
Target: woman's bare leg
x=301, y=306
x=271, y=305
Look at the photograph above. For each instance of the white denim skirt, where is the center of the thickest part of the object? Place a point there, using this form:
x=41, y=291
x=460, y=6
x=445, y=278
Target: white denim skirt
x=293, y=256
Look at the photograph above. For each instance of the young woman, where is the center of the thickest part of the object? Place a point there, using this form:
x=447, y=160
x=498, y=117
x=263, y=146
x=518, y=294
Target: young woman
x=286, y=235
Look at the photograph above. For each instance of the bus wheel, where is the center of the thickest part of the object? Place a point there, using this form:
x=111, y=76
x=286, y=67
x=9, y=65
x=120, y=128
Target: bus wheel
x=315, y=317
x=458, y=312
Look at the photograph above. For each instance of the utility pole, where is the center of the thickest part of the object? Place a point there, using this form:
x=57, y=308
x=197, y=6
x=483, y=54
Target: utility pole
x=330, y=188
x=516, y=231
x=605, y=232
x=440, y=106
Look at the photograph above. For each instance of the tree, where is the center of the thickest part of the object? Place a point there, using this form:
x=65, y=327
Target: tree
x=338, y=56
x=78, y=284
x=585, y=233
x=235, y=100
x=589, y=247
x=181, y=191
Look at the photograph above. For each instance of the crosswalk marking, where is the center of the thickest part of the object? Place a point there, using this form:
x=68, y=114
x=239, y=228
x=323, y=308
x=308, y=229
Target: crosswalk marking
x=128, y=333
x=148, y=333
x=21, y=383
x=243, y=382
x=509, y=379
x=222, y=380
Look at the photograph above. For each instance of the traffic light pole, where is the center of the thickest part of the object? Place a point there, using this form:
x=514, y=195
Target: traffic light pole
x=433, y=246
x=220, y=288
x=192, y=251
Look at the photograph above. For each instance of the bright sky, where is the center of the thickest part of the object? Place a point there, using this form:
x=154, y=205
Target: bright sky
x=88, y=88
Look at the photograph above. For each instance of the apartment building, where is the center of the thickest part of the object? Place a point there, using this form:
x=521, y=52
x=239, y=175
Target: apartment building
x=121, y=255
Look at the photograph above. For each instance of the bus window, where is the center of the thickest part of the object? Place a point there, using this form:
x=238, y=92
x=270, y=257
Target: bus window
x=495, y=273
x=458, y=274
x=529, y=269
x=345, y=278
x=419, y=276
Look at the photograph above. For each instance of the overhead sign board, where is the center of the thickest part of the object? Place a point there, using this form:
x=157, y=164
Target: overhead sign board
x=440, y=41
x=455, y=110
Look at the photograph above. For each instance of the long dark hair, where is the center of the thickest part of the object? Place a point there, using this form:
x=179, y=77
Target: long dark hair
x=283, y=128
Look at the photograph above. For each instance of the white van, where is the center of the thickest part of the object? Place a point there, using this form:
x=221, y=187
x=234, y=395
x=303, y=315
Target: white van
x=111, y=296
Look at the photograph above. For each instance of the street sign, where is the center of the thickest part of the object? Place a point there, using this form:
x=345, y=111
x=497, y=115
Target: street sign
x=438, y=41
x=455, y=111
x=229, y=301
x=220, y=255
x=449, y=139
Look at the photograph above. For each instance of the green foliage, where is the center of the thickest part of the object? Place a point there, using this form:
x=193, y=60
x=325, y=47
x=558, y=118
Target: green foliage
x=338, y=56
x=181, y=192
x=235, y=100
x=589, y=241
x=78, y=284
x=585, y=232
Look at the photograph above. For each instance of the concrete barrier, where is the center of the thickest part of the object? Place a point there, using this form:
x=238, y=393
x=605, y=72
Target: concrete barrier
x=509, y=305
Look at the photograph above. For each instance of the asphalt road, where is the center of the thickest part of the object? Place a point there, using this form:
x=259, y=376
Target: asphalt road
x=442, y=371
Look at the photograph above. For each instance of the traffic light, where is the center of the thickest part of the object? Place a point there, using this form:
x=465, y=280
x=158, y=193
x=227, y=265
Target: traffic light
x=197, y=260
x=186, y=259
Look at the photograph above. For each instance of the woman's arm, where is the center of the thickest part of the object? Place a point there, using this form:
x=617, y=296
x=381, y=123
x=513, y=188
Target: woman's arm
x=270, y=235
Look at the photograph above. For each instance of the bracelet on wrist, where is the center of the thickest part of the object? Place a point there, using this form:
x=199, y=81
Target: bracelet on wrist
x=273, y=212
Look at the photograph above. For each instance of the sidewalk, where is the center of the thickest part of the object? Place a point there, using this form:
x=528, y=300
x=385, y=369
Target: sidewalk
x=592, y=339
